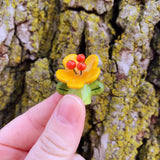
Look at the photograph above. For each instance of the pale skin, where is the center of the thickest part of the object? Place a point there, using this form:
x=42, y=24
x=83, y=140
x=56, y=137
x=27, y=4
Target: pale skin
x=51, y=130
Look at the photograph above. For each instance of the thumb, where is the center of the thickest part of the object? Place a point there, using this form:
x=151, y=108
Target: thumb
x=62, y=134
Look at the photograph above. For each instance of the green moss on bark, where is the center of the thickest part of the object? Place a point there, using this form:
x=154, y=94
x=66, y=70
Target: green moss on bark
x=38, y=85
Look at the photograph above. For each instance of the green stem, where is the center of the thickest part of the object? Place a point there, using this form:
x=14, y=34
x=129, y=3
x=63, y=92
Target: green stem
x=84, y=93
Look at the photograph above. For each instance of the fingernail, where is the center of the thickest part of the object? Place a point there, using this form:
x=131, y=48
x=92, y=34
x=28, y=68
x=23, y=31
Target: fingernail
x=69, y=109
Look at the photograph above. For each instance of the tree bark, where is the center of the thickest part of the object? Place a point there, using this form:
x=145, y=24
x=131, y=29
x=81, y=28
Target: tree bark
x=123, y=123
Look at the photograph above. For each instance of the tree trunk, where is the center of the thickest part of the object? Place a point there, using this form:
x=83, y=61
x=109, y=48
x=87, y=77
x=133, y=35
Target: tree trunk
x=123, y=122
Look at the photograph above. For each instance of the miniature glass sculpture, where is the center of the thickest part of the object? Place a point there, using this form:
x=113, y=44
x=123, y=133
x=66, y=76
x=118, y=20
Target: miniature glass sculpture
x=79, y=77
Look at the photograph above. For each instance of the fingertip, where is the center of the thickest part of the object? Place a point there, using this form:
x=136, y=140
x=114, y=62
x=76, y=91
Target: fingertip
x=78, y=99
x=70, y=110
x=75, y=99
x=56, y=94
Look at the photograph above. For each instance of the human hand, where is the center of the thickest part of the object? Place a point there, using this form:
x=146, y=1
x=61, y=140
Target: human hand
x=50, y=130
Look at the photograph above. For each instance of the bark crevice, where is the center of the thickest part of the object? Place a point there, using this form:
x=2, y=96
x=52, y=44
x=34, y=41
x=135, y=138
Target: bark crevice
x=118, y=29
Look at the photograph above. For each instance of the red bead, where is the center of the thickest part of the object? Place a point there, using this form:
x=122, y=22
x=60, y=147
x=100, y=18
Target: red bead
x=71, y=64
x=80, y=57
x=81, y=66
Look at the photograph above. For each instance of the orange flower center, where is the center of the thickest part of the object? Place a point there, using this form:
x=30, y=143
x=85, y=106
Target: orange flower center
x=81, y=66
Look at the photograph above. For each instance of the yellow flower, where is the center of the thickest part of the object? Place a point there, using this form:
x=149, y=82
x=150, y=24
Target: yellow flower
x=78, y=80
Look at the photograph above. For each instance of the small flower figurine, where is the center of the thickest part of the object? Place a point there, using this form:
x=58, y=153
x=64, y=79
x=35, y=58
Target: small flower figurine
x=79, y=77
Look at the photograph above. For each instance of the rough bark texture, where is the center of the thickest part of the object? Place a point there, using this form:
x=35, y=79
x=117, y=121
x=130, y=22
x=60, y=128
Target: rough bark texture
x=123, y=122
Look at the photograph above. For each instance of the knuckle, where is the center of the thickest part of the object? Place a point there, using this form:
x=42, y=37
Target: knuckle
x=50, y=145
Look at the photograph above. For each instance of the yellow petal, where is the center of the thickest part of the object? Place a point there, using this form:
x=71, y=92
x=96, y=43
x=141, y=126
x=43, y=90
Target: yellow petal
x=91, y=76
x=65, y=75
x=68, y=58
x=75, y=83
x=91, y=62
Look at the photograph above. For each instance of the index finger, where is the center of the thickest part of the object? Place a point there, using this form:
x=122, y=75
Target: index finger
x=23, y=132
